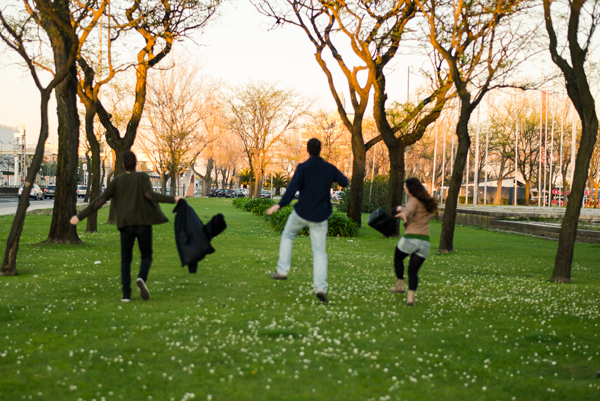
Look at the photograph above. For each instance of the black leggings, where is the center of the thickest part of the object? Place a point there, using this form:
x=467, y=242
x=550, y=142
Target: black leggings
x=414, y=264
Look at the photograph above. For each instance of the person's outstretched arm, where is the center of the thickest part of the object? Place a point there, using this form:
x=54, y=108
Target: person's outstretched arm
x=94, y=206
x=340, y=178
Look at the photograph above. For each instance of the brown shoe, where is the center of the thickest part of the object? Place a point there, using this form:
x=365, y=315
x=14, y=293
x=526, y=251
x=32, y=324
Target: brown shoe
x=277, y=276
x=410, y=297
x=399, y=287
x=322, y=297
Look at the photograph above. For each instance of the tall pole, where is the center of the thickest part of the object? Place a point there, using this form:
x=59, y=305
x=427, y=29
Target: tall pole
x=487, y=145
x=560, y=160
x=434, y=161
x=467, y=180
x=452, y=155
x=573, y=142
x=23, y=155
x=444, y=162
x=372, y=173
x=516, y=150
x=550, y=177
x=546, y=147
x=476, y=166
x=539, y=187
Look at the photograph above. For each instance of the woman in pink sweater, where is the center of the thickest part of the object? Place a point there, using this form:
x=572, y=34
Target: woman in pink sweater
x=415, y=241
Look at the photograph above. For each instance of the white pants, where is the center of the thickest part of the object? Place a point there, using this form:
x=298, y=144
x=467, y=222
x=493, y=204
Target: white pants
x=318, y=236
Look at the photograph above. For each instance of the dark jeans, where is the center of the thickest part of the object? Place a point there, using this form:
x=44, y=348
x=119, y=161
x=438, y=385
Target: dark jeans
x=128, y=236
x=414, y=264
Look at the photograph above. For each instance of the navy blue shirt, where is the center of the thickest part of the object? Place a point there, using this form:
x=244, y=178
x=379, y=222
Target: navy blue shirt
x=313, y=179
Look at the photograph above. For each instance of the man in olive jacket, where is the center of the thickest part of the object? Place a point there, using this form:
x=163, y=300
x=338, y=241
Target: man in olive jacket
x=136, y=208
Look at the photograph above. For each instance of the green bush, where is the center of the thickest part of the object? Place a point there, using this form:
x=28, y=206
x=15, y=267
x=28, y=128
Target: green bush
x=257, y=206
x=339, y=225
x=239, y=203
x=277, y=220
x=521, y=201
x=344, y=201
x=373, y=197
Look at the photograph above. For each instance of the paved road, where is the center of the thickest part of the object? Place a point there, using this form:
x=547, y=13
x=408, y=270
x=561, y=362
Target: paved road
x=9, y=205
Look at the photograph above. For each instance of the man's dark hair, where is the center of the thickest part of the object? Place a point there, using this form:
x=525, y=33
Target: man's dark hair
x=314, y=147
x=129, y=160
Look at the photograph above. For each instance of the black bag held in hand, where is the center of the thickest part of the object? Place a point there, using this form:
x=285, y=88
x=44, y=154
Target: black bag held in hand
x=384, y=223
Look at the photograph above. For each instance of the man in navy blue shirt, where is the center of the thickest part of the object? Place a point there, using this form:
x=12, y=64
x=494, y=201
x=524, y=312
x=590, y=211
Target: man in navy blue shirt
x=313, y=179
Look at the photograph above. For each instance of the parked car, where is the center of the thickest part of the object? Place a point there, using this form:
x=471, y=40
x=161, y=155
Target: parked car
x=81, y=190
x=336, y=195
x=230, y=193
x=239, y=193
x=265, y=194
x=216, y=193
x=36, y=192
x=50, y=191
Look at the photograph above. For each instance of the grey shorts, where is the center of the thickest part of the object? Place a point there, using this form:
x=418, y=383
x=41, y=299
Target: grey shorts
x=414, y=245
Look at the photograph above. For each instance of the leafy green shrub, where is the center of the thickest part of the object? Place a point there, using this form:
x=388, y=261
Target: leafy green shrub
x=239, y=203
x=374, y=196
x=521, y=201
x=344, y=201
x=278, y=220
x=339, y=225
x=257, y=206
x=461, y=199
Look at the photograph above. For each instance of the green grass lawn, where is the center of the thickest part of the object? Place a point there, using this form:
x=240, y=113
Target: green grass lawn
x=488, y=325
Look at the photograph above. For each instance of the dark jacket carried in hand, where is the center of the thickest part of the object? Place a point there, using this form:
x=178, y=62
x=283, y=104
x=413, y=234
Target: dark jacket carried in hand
x=192, y=236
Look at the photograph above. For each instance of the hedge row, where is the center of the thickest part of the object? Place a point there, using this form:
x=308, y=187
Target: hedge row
x=339, y=225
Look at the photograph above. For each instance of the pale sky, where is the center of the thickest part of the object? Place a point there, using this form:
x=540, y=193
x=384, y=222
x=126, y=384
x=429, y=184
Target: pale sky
x=236, y=47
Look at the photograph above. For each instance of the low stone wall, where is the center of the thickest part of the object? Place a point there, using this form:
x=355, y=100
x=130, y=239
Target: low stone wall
x=496, y=218
x=544, y=230
x=6, y=192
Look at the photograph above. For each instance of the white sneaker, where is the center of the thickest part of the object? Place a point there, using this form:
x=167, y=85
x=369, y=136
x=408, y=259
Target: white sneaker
x=125, y=300
x=144, y=293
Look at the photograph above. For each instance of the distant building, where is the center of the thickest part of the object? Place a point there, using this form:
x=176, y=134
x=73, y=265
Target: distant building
x=9, y=151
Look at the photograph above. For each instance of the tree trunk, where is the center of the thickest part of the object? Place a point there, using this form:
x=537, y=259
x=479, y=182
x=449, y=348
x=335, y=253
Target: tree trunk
x=93, y=167
x=568, y=232
x=449, y=220
x=173, y=177
x=9, y=264
x=86, y=196
x=61, y=231
x=358, y=176
x=206, y=179
x=578, y=89
x=396, y=180
x=499, y=182
x=163, y=184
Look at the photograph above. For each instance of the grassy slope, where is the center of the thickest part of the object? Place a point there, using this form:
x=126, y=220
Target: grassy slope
x=488, y=325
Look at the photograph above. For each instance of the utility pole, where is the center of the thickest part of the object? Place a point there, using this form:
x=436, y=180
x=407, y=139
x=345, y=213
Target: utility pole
x=23, y=154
